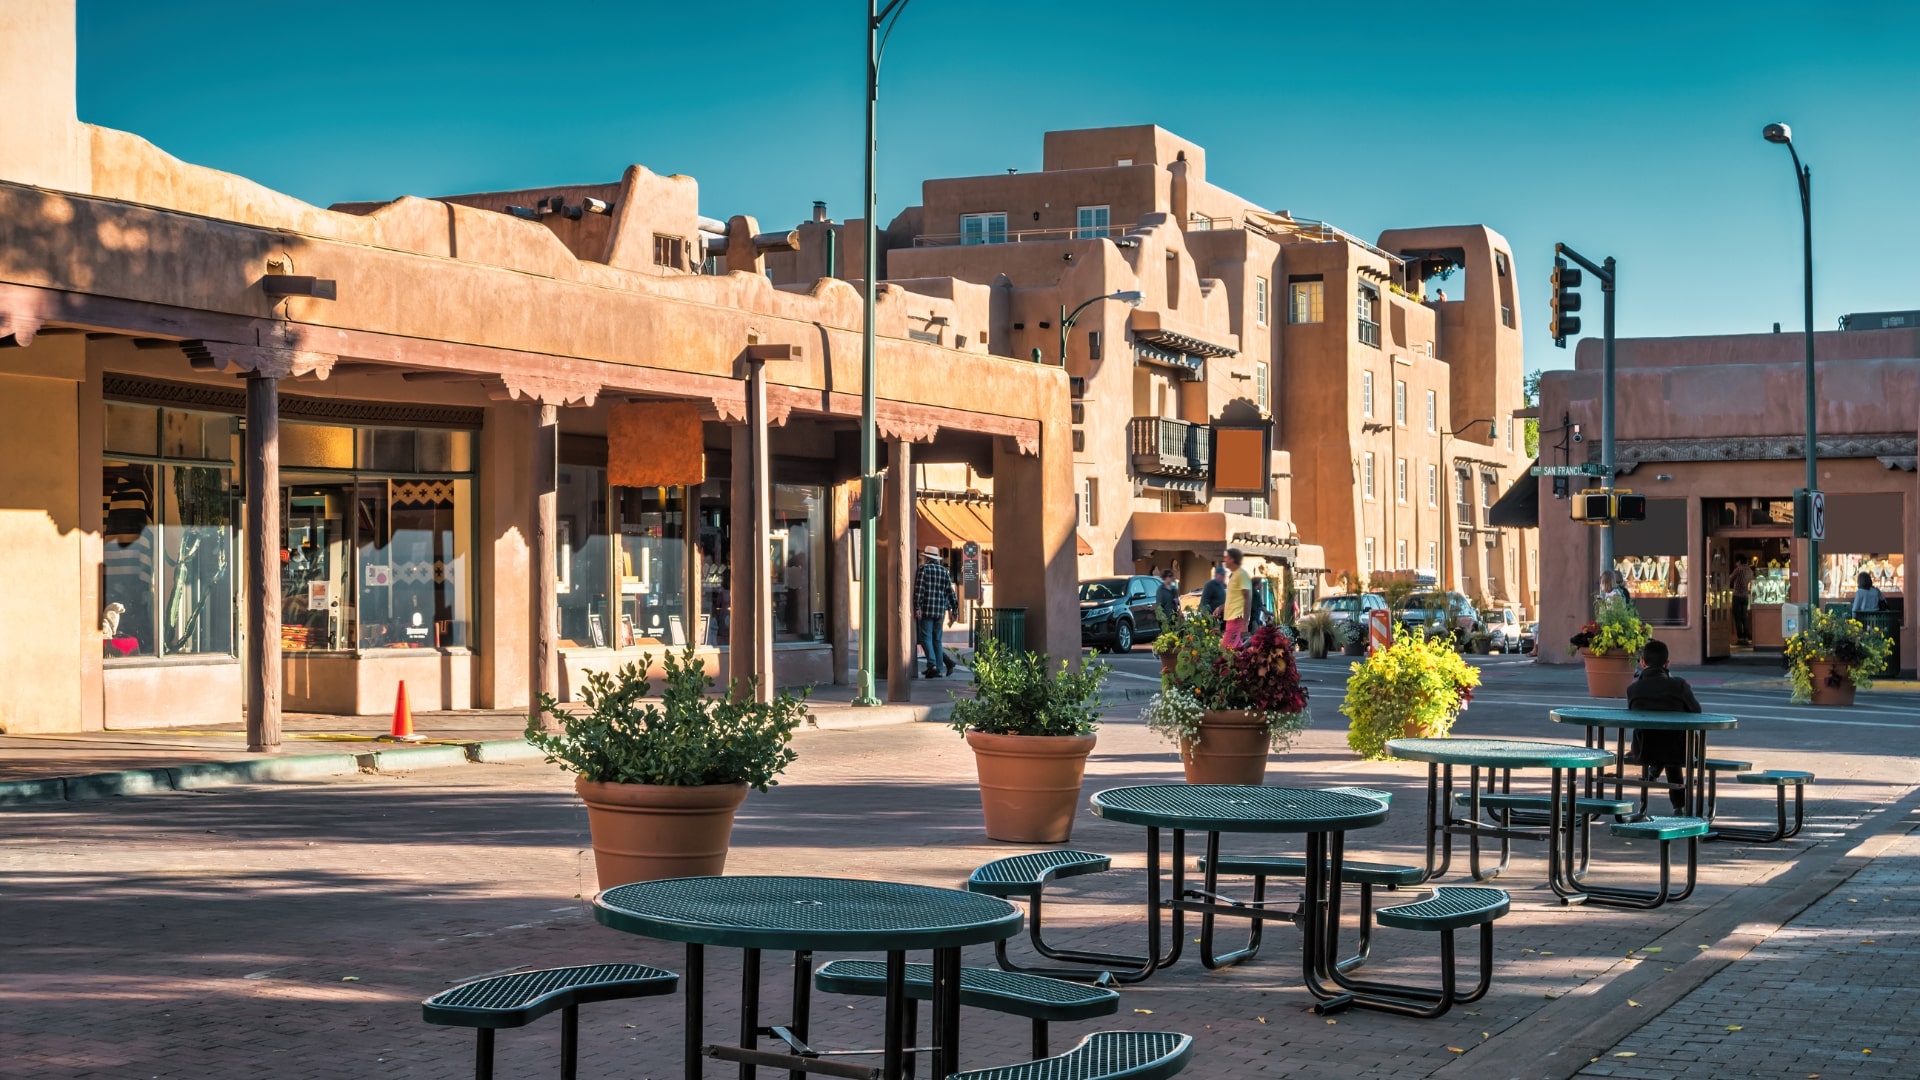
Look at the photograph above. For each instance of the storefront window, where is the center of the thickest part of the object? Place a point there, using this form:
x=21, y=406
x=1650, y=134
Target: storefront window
x=1840, y=575
x=582, y=551
x=168, y=533
x=1651, y=559
x=652, y=567
x=798, y=557
x=377, y=555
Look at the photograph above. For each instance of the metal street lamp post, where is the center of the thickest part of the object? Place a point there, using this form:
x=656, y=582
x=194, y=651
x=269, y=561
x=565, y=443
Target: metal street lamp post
x=880, y=23
x=1446, y=496
x=1782, y=134
x=1129, y=296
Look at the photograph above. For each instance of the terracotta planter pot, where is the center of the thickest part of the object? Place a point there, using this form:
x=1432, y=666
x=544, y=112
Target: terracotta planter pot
x=1232, y=750
x=644, y=832
x=1824, y=694
x=1609, y=673
x=1166, y=662
x=1030, y=784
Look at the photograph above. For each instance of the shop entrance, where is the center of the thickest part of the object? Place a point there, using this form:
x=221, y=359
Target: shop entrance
x=1749, y=553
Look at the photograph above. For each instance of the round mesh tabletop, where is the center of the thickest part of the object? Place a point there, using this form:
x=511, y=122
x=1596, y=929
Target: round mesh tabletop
x=1592, y=716
x=806, y=913
x=1500, y=753
x=1239, y=809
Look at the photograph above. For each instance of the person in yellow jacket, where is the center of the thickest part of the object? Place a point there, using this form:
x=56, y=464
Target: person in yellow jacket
x=1239, y=600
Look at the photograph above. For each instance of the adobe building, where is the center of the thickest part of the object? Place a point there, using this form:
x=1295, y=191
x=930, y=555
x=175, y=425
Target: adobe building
x=1280, y=385
x=255, y=451
x=1712, y=431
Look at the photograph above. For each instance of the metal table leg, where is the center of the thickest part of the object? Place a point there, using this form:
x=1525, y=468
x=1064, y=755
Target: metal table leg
x=693, y=988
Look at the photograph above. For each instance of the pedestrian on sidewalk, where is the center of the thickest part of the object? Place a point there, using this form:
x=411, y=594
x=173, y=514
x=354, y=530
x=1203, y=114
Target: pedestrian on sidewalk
x=1656, y=689
x=933, y=600
x=1168, y=598
x=1213, y=596
x=1239, y=605
x=1742, y=585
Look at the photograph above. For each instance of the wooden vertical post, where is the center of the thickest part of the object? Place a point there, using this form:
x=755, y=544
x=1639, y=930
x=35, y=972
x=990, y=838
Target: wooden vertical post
x=761, y=463
x=543, y=593
x=696, y=579
x=263, y=563
x=897, y=516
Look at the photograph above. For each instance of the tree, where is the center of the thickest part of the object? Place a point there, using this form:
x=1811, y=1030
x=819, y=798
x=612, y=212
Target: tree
x=1530, y=393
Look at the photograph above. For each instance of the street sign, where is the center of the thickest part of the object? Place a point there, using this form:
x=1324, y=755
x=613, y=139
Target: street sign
x=1816, y=515
x=1567, y=470
x=970, y=571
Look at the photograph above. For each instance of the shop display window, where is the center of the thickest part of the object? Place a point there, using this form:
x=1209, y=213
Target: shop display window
x=1840, y=574
x=798, y=557
x=652, y=567
x=169, y=503
x=581, y=547
x=1650, y=557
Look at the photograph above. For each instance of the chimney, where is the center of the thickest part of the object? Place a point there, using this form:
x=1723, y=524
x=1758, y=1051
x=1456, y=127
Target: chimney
x=819, y=210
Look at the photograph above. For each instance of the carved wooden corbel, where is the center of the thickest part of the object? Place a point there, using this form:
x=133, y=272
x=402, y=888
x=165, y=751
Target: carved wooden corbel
x=908, y=431
x=268, y=361
x=21, y=328
x=546, y=389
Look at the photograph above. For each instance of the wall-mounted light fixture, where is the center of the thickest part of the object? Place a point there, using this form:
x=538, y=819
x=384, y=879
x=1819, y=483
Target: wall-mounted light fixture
x=282, y=285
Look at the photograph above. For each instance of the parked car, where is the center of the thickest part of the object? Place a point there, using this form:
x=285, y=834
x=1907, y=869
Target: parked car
x=1436, y=612
x=1530, y=638
x=1503, y=624
x=1115, y=612
x=1353, y=607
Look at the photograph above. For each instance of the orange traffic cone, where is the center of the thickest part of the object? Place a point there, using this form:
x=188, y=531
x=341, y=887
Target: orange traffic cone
x=402, y=719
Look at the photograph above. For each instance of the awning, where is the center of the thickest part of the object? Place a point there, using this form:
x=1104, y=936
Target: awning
x=1211, y=534
x=949, y=523
x=1194, y=491
x=1080, y=545
x=1311, y=560
x=1158, y=328
x=1519, y=507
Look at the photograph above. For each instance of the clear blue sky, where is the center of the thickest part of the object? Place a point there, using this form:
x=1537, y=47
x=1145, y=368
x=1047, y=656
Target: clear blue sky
x=1637, y=137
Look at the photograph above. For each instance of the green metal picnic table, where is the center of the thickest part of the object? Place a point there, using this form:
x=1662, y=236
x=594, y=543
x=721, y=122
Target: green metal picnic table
x=1499, y=757
x=802, y=915
x=1693, y=725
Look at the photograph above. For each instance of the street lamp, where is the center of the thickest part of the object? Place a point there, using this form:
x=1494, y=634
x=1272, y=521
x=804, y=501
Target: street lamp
x=1130, y=296
x=1446, y=496
x=880, y=23
x=1782, y=134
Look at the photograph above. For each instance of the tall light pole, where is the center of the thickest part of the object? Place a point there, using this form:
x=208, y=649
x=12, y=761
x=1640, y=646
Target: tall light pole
x=1446, y=496
x=1067, y=319
x=880, y=23
x=1782, y=134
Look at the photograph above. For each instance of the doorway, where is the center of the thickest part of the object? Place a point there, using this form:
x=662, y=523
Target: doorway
x=1749, y=554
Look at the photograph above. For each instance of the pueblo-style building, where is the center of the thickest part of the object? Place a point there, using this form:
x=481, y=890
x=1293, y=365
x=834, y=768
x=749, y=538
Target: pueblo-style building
x=1251, y=378
x=1711, y=430
x=256, y=454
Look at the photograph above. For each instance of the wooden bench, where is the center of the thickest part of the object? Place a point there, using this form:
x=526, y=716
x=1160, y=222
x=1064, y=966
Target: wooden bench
x=1104, y=1055
x=1450, y=908
x=1664, y=830
x=1367, y=876
x=505, y=1001
x=1039, y=999
x=1783, y=827
x=1025, y=877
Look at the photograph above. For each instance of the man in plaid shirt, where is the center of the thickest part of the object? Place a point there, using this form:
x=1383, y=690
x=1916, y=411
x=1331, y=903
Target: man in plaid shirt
x=933, y=599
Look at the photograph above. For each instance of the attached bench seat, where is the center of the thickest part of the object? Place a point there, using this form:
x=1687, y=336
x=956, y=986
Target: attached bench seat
x=506, y=1001
x=1450, y=908
x=1542, y=804
x=1664, y=831
x=1035, y=997
x=1104, y=1055
x=1783, y=825
x=1366, y=875
x=1025, y=877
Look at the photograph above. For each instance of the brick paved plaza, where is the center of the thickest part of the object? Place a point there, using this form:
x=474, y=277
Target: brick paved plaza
x=290, y=929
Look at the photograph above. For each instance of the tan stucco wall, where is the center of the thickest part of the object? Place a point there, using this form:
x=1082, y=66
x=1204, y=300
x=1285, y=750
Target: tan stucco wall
x=44, y=632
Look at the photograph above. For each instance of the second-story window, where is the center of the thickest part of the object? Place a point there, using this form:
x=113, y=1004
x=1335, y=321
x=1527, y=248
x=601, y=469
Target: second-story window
x=1366, y=474
x=1433, y=412
x=1366, y=307
x=1091, y=223
x=1400, y=479
x=1260, y=301
x=1306, y=298
x=1399, y=403
x=668, y=251
x=1433, y=486
x=1262, y=387
x=1366, y=394
x=983, y=228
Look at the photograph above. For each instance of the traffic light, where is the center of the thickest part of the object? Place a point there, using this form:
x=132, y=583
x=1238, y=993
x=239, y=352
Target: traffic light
x=1590, y=506
x=1561, y=322
x=1629, y=507
x=1595, y=507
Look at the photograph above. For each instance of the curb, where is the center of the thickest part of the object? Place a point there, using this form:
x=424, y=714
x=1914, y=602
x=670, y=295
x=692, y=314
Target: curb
x=850, y=719
x=503, y=752
x=413, y=757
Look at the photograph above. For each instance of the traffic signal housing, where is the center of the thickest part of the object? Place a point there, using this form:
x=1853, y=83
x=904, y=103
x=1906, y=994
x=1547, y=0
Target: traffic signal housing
x=1629, y=507
x=1595, y=506
x=1561, y=322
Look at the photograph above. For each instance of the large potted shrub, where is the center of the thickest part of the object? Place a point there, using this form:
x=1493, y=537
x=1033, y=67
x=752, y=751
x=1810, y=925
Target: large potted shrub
x=1319, y=631
x=662, y=780
x=1608, y=645
x=1414, y=688
x=1833, y=655
x=1031, y=727
x=1228, y=708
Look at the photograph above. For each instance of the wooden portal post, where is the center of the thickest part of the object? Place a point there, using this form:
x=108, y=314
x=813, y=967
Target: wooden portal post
x=897, y=516
x=543, y=594
x=263, y=562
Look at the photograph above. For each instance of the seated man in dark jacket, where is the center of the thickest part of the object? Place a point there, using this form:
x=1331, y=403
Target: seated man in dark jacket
x=1656, y=690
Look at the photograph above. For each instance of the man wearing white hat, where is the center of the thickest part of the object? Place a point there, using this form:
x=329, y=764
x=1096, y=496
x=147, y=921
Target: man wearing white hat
x=933, y=599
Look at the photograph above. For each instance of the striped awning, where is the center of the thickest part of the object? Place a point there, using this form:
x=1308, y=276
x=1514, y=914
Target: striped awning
x=951, y=523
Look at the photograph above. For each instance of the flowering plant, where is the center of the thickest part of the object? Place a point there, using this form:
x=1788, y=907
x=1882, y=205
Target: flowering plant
x=1261, y=678
x=1615, y=625
x=1417, y=684
x=1859, y=651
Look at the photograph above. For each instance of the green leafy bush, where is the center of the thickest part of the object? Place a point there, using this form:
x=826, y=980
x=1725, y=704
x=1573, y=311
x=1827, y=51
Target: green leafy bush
x=1616, y=625
x=1418, y=681
x=1016, y=693
x=687, y=739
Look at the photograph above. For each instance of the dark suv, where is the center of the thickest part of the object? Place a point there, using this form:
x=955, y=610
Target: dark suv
x=1115, y=612
x=1437, y=612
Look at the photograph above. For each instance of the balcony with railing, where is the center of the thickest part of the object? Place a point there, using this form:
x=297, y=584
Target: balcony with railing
x=1166, y=447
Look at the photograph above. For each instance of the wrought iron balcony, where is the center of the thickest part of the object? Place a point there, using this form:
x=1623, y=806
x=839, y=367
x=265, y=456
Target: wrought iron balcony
x=1170, y=447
